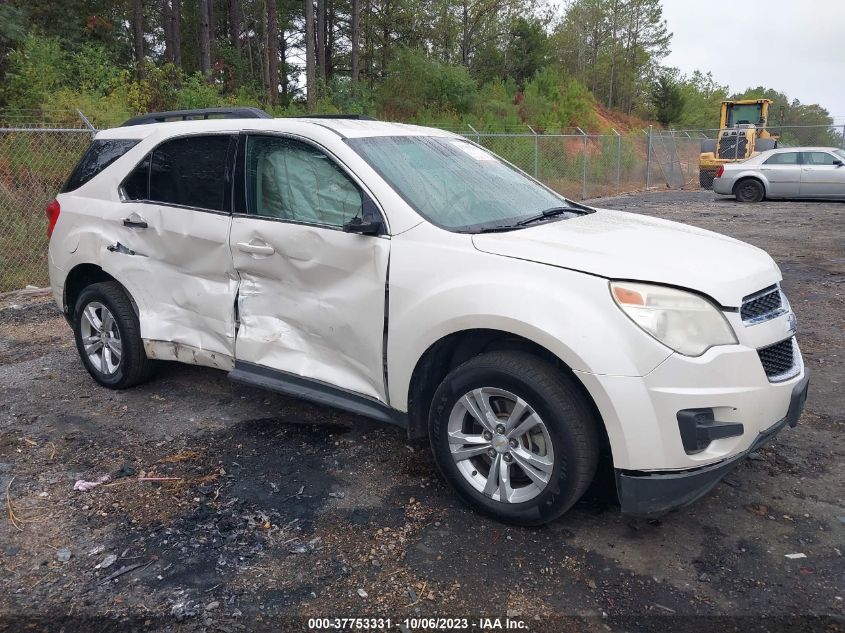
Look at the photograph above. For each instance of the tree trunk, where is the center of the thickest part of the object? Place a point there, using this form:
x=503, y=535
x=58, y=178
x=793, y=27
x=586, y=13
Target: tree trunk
x=235, y=24
x=321, y=39
x=310, y=79
x=356, y=40
x=283, y=68
x=205, y=37
x=272, y=52
x=465, y=34
x=329, y=37
x=176, y=30
x=138, y=33
x=167, y=27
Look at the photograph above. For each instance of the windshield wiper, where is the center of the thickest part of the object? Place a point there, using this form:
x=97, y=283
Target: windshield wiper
x=499, y=229
x=548, y=213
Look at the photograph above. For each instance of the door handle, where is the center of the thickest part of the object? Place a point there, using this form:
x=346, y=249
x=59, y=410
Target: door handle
x=135, y=221
x=256, y=249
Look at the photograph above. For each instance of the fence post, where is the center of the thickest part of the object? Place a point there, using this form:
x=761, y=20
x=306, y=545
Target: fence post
x=88, y=124
x=477, y=135
x=648, y=160
x=584, y=182
x=618, y=157
x=536, y=152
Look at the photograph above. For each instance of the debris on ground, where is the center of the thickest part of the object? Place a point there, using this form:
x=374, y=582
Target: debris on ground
x=84, y=486
x=108, y=561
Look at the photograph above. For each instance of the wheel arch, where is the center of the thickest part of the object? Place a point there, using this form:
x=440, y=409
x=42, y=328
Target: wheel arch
x=80, y=277
x=749, y=176
x=456, y=348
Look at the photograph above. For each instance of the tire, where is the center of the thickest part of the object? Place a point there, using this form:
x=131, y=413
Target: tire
x=749, y=190
x=705, y=179
x=119, y=360
x=764, y=144
x=708, y=146
x=564, y=443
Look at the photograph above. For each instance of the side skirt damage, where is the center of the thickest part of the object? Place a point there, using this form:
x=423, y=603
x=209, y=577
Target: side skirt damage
x=169, y=350
x=315, y=391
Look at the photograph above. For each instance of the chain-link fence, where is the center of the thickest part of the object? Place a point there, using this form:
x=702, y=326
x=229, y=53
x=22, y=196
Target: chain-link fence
x=34, y=164
x=35, y=160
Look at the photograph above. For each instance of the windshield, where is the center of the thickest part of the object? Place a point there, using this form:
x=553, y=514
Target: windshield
x=840, y=153
x=457, y=185
x=744, y=113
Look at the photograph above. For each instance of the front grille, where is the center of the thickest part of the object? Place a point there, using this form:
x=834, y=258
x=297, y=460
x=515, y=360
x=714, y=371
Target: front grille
x=778, y=360
x=761, y=304
x=733, y=146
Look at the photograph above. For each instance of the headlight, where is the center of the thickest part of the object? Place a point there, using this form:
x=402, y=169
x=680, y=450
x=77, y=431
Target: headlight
x=683, y=321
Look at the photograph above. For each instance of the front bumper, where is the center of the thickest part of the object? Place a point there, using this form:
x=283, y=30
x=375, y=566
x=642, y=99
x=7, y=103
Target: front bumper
x=653, y=494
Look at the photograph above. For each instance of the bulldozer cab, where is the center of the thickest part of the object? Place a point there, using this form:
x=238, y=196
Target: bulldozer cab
x=745, y=112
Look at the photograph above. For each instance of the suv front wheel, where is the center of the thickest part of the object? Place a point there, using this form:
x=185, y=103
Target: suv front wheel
x=108, y=337
x=514, y=437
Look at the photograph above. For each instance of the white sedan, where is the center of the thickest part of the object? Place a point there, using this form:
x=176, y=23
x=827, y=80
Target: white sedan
x=793, y=172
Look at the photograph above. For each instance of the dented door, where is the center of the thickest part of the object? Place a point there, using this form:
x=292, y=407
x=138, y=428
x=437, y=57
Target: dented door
x=311, y=299
x=173, y=249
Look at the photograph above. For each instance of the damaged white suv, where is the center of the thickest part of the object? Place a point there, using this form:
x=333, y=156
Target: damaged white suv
x=409, y=275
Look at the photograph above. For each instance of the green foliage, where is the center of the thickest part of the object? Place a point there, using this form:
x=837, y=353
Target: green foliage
x=528, y=49
x=668, y=99
x=553, y=101
x=702, y=101
x=418, y=85
x=92, y=69
x=35, y=69
x=12, y=25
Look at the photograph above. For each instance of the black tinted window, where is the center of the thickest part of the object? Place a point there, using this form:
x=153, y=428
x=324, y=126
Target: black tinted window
x=191, y=171
x=137, y=184
x=100, y=155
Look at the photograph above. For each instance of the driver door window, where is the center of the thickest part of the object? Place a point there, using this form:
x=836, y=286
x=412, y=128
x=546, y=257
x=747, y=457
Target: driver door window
x=291, y=180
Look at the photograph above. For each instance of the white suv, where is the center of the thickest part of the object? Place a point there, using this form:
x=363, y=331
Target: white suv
x=409, y=275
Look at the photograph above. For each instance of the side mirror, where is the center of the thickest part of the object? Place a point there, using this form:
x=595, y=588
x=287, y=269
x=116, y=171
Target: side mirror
x=369, y=222
x=838, y=163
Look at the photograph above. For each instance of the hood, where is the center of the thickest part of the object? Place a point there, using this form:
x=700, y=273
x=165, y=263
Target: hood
x=620, y=245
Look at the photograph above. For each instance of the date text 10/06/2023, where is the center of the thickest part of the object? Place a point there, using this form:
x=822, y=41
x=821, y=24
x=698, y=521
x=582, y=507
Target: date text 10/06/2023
x=416, y=624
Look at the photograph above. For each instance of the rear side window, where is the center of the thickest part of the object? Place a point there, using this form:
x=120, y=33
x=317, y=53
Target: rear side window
x=190, y=171
x=786, y=158
x=100, y=155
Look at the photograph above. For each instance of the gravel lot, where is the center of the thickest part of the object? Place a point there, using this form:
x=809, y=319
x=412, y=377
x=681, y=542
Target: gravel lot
x=283, y=510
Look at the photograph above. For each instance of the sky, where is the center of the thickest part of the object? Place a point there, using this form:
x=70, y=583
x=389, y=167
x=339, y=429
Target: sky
x=793, y=46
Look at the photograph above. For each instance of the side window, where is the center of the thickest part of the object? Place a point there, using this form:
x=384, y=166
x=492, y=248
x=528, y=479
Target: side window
x=292, y=180
x=100, y=155
x=137, y=183
x=785, y=158
x=189, y=171
x=818, y=158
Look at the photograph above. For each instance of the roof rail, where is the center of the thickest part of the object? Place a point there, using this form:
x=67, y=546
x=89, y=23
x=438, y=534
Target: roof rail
x=354, y=117
x=237, y=112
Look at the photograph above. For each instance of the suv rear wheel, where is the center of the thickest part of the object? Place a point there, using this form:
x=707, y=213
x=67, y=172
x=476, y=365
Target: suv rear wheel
x=108, y=337
x=514, y=437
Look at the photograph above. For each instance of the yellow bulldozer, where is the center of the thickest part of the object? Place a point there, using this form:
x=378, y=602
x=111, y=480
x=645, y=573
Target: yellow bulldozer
x=742, y=133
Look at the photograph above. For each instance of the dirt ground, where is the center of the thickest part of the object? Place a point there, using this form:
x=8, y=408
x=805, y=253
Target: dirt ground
x=281, y=511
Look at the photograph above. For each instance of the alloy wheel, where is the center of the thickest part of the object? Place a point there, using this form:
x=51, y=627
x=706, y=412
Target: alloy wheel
x=500, y=445
x=101, y=338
